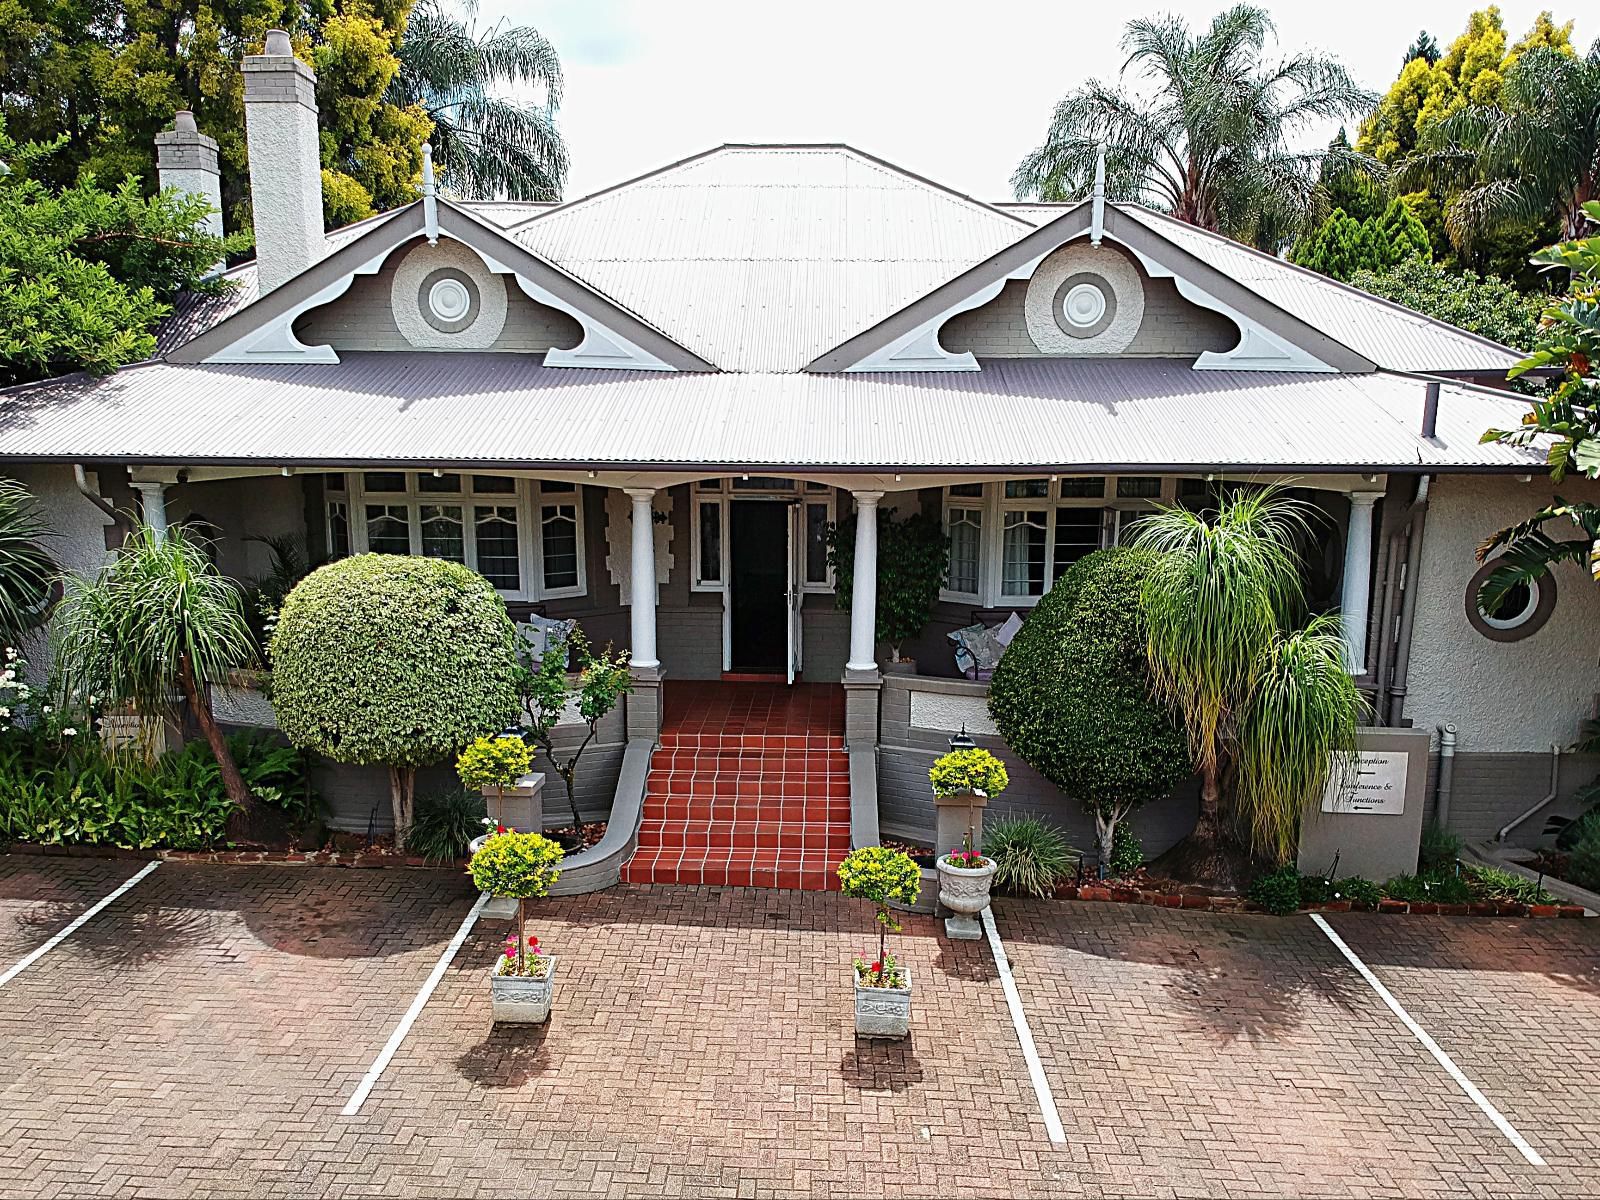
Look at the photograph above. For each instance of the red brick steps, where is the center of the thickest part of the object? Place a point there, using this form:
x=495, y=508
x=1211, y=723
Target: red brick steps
x=749, y=788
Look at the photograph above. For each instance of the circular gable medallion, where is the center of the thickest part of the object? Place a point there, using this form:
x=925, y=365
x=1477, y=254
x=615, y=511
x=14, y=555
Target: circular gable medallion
x=1084, y=300
x=445, y=298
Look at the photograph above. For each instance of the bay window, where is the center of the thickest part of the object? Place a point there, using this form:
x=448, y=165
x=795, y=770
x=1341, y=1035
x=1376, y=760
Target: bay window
x=523, y=535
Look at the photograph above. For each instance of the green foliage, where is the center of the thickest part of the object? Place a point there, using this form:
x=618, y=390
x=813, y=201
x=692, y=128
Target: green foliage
x=1030, y=855
x=1497, y=883
x=1362, y=893
x=445, y=822
x=1267, y=703
x=913, y=557
x=963, y=771
x=884, y=973
x=1072, y=694
x=484, y=144
x=1584, y=860
x=1481, y=304
x=108, y=77
x=494, y=762
x=1127, y=852
x=1565, y=423
x=86, y=273
x=1342, y=247
x=546, y=687
x=1438, y=850
x=522, y=866
x=1278, y=891
x=26, y=568
x=393, y=660
x=1202, y=125
x=880, y=875
x=178, y=802
x=1445, y=887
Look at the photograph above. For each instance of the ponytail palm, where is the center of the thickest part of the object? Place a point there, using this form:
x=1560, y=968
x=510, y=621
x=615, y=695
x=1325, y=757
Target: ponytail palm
x=157, y=623
x=26, y=568
x=1265, y=705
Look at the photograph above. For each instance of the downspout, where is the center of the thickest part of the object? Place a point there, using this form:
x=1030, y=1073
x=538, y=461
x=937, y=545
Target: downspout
x=1447, y=774
x=94, y=497
x=1385, y=632
x=1408, y=607
x=1555, y=781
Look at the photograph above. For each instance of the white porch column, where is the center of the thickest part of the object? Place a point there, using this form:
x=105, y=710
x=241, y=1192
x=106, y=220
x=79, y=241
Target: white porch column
x=153, y=507
x=1355, y=599
x=864, y=585
x=643, y=582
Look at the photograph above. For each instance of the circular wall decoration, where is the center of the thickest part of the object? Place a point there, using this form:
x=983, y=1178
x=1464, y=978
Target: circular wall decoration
x=1085, y=300
x=1520, y=614
x=445, y=298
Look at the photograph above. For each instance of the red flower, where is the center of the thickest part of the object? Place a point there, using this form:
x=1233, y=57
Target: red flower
x=878, y=967
x=500, y=829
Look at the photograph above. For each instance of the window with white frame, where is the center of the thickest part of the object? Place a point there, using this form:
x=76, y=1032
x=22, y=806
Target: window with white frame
x=523, y=535
x=1010, y=541
x=709, y=504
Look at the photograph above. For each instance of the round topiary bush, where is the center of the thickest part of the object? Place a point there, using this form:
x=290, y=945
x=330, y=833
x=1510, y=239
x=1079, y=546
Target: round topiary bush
x=392, y=659
x=1072, y=696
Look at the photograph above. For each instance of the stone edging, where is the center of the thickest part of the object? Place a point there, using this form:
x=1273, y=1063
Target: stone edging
x=313, y=858
x=1205, y=902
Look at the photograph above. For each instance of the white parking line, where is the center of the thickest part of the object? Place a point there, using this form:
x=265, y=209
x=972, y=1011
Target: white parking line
x=78, y=923
x=1433, y=1047
x=1019, y=1019
x=406, y=1022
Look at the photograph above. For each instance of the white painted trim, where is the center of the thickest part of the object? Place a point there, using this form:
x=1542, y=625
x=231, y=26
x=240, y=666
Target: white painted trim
x=364, y=1088
x=78, y=923
x=1019, y=1022
x=601, y=347
x=275, y=341
x=1444, y=1060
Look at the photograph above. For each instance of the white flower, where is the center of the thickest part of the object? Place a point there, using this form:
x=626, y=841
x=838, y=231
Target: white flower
x=69, y=731
x=488, y=821
x=11, y=653
x=47, y=710
x=5, y=712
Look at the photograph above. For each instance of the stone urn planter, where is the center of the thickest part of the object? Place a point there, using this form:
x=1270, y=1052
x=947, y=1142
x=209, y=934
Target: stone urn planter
x=522, y=999
x=902, y=666
x=883, y=1012
x=964, y=890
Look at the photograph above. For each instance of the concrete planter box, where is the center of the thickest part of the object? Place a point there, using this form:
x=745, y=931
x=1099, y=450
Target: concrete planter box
x=965, y=892
x=906, y=666
x=883, y=1012
x=519, y=1000
x=520, y=806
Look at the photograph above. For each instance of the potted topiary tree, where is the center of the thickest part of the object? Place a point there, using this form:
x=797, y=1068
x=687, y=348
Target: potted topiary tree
x=522, y=866
x=1072, y=695
x=964, y=873
x=394, y=660
x=883, y=986
x=913, y=556
x=491, y=765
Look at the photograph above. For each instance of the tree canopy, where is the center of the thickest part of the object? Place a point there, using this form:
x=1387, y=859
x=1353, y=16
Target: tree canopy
x=1483, y=304
x=1342, y=246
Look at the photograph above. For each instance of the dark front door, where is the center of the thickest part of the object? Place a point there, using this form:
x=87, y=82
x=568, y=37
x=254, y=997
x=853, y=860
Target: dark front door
x=759, y=555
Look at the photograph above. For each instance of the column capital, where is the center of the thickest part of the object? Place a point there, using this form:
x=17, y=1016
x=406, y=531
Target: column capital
x=641, y=493
x=1365, y=499
x=867, y=499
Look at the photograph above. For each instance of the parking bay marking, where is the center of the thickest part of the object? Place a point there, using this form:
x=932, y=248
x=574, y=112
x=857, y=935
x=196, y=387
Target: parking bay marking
x=1433, y=1047
x=1019, y=1021
x=77, y=923
x=359, y=1097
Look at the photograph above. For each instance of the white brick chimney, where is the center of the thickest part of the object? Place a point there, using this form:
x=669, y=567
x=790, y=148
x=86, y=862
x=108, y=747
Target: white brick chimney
x=186, y=159
x=280, y=114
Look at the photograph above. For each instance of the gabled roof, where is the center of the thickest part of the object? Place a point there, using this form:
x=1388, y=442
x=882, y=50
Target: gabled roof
x=758, y=258
x=1389, y=334
x=259, y=331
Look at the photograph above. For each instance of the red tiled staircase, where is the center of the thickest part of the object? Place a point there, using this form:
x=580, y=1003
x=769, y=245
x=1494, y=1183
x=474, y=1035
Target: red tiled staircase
x=751, y=788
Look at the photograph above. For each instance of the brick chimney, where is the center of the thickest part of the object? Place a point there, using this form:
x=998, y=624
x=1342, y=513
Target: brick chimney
x=186, y=159
x=280, y=114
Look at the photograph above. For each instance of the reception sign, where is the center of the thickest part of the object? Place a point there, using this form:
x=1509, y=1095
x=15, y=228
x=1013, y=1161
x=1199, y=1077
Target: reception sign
x=1375, y=783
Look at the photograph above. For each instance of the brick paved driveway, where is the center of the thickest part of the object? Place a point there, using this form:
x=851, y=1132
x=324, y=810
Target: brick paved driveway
x=200, y=1036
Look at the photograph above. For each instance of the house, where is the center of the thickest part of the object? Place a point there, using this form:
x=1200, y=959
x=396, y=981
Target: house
x=643, y=408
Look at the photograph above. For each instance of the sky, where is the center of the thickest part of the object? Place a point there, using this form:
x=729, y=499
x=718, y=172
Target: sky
x=958, y=92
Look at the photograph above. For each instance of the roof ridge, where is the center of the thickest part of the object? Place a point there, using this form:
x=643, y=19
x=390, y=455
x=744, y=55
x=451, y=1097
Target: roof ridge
x=1318, y=276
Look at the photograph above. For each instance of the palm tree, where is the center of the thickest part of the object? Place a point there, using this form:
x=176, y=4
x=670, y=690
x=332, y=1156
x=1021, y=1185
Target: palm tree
x=26, y=568
x=159, y=621
x=485, y=145
x=1266, y=704
x=1532, y=157
x=1210, y=145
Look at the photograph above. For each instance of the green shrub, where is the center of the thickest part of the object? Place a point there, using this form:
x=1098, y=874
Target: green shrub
x=881, y=875
x=1438, y=850
x=913, y=556
x=1127, y=851
x=1446, y=888
x=1278, y=892
x=393, y=660
x=1584, y=861
x=1315, y=889
x=1496, y=883
x=445, y=823
x=1072, y=695
x=1362, y=893
x=496, y=762
x=968, y=771
x=1030, y=855
x=522, y=866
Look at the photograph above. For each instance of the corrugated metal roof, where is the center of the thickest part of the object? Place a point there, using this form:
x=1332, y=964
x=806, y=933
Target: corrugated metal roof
x=759, y=258
x=1389, y=334
x=413, y=407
